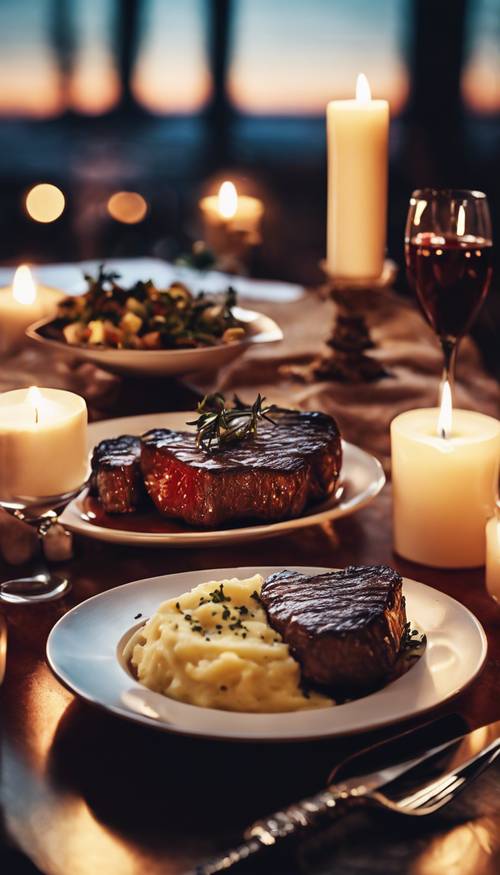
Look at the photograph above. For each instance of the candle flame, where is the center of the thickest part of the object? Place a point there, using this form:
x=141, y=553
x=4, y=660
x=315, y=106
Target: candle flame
x=445, y=417
x=34, y=398
x=23, y=287
x=363, y=91
x=227, y=200
x=461, y=221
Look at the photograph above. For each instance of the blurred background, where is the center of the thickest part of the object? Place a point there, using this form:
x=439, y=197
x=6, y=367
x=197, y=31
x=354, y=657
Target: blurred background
x=158, y=101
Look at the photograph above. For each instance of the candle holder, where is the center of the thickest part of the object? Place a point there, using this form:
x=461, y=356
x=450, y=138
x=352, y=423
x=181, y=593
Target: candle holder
x=348, y=362
x=43, y=514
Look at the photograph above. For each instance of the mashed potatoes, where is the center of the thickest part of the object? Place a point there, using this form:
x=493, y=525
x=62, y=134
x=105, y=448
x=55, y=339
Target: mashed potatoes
x=214, y=647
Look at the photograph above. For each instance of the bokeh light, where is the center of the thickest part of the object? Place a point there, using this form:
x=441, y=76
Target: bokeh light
x=45, y=202
x=127, y=206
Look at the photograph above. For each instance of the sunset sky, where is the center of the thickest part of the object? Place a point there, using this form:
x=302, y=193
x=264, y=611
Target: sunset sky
x=287, y=56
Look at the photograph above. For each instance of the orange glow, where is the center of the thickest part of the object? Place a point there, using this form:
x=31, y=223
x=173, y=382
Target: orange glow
x=227, y=202
x=23, y=286
x=480, y=88
x=94, y=87
x=45, y=202
x=127, y=206
x=29, y=89
x=306, y=91
x=178, y=94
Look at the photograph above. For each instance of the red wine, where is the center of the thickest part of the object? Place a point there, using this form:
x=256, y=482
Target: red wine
x=451, y=276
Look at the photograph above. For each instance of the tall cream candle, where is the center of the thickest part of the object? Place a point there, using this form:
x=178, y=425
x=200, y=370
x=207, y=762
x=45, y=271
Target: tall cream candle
x=357, y=142
x=444, y=487
x=43, y=445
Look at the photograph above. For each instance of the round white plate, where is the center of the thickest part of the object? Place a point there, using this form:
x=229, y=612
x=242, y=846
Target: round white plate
x=166, y=362
x=83, y=652
x=361, y=480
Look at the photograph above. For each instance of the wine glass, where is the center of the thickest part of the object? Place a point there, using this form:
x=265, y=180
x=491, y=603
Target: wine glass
x=448, y=250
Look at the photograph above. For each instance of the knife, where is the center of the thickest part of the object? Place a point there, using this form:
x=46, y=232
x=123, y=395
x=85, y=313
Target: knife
x=409, y=770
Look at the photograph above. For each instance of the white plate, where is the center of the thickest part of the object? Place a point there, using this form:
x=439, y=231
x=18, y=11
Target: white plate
x=361, y=480
x=166, y=362
x=82, y=650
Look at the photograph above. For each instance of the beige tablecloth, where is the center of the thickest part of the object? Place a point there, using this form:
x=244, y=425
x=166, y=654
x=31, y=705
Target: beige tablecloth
x=404, y=343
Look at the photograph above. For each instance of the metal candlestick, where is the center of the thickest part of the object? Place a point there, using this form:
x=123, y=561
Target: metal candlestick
x=350, y=339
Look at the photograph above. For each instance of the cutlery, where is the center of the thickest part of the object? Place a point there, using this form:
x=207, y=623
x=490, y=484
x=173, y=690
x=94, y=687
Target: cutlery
x=409, y=780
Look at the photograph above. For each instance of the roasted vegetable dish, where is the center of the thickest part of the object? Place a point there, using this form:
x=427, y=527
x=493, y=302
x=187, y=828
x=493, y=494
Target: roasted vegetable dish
x=146, y=317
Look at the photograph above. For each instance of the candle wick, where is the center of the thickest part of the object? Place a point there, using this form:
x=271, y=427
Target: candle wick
x=443, y=434
x=36, y=415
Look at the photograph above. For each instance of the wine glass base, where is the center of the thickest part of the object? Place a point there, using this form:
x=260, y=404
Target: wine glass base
x=33, y=590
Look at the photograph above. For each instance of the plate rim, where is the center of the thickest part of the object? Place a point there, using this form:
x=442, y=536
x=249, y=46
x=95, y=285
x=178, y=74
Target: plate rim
x=161, y=726
x=71, y=517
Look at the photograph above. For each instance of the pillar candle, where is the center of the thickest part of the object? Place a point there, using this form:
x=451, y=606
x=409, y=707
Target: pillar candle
x=357, y=141
x=493, y=557
x=43, y=443
x=444, y=487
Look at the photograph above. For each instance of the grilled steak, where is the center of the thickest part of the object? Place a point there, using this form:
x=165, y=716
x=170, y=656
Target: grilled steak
x=270, y=476
x=344, y=627
x=116, y=477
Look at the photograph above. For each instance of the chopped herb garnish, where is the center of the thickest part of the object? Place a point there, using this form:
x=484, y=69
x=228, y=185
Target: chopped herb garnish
x=218, y=595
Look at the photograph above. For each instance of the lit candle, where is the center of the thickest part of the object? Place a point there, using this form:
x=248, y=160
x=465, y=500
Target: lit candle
x=231, y=222
x=357, y=142
x=445, y=482
x=21, y=304
x=493, y=557
x=43, y=446
x=234, y=212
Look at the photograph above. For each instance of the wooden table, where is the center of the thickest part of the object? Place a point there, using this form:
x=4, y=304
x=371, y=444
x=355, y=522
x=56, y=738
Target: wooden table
x=85, y=793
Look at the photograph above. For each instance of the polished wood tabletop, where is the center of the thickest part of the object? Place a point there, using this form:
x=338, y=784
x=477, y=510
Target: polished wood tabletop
x=84, y=793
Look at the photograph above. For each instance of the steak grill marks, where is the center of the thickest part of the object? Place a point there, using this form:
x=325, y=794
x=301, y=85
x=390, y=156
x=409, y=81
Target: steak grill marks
x=270, y=476
x=344, y=627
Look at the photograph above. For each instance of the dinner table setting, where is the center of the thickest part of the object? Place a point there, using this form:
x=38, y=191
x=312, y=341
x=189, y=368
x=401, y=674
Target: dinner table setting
x=250, y=546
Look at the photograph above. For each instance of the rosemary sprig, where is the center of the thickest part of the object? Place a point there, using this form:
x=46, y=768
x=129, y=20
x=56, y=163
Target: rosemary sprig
x=220, y=424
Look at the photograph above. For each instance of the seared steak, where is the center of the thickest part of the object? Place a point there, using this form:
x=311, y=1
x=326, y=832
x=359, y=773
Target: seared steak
x=344, y=627
x=116, y=474
x=270, y=476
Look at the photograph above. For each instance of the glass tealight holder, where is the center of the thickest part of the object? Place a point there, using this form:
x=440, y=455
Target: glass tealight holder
x=41, y=513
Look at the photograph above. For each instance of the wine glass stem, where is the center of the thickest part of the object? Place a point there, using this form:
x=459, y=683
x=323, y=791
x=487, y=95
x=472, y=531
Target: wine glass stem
x=449, y=347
